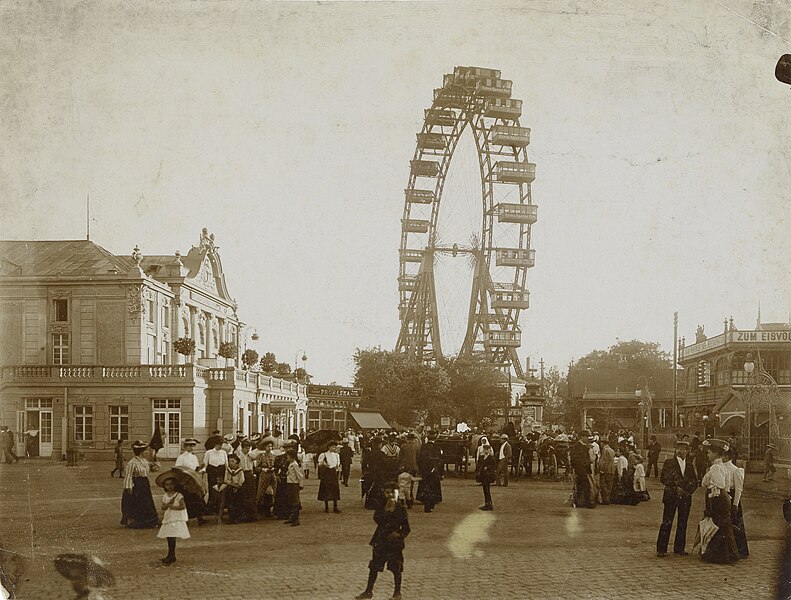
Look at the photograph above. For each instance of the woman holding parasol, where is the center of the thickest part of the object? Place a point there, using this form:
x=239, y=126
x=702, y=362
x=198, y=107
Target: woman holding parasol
x=196, y=507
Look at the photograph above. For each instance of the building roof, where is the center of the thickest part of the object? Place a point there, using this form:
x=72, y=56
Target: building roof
x=773, y=326
x=610, y=380
x=66, y=258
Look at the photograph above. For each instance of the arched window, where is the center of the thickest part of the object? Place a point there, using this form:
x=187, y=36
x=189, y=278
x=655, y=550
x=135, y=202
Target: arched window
x=185, y=324
x=692, y=379
x=202, y=333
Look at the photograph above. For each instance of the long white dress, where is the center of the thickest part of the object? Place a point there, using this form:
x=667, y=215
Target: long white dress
x=174, y=522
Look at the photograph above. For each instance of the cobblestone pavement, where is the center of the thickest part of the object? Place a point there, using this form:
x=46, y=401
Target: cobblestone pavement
x=534, y=545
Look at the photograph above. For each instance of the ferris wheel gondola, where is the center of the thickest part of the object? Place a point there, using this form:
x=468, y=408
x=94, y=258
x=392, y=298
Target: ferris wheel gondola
x=477, y=100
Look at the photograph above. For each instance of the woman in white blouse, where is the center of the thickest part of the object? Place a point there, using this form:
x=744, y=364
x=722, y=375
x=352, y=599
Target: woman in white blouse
x=329, y=468
x=722, y=547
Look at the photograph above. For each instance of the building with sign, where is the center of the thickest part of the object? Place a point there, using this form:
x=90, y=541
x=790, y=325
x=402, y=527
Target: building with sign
x=338, y=407
x=718, y=386
x=87, y=350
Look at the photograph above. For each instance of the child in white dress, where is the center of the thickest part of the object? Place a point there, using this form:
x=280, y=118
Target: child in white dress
x=174, y=521
x=639, y=480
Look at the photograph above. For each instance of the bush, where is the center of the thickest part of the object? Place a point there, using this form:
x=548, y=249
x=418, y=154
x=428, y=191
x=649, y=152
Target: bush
x=268, y=363
x=249, y=358
x=228, y=350
x=185, y=346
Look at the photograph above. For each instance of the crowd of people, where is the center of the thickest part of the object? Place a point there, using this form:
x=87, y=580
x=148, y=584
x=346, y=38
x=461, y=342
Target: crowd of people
x=610, y=470
x=260, y=478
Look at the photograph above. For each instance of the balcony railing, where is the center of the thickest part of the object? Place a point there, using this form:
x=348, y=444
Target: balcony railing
x=188, y=374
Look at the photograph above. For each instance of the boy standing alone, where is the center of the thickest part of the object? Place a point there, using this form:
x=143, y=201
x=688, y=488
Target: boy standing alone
x=392, y=526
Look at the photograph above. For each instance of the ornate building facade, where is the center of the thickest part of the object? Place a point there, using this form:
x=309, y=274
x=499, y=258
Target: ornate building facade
x=720, y=392
x=87, y=349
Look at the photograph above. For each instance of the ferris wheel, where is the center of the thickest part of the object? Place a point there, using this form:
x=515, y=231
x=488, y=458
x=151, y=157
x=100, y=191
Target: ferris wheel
x=478, y=101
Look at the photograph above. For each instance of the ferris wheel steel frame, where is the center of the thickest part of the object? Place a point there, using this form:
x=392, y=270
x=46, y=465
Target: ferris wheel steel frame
x=479, y=99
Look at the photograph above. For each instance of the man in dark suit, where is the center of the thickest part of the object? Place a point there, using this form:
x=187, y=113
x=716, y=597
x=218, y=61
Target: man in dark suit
x=680, y=480
x=581, y=463
x=346, y=454
x=654, y=449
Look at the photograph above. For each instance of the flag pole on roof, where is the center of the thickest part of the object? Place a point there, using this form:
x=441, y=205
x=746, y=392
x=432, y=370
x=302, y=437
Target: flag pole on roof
x=88, y=218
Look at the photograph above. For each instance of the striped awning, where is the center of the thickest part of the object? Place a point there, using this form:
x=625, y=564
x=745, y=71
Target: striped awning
x=370, y=420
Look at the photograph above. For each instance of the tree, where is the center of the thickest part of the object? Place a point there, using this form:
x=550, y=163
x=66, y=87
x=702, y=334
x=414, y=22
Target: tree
x=302, y=375
x=268, y=363
x=559, y=407
x=404, y=391
x=475, y=389
x=283, y=368
x=249, y=358
x=184, y=346
x=641, y=356
x=228, y=350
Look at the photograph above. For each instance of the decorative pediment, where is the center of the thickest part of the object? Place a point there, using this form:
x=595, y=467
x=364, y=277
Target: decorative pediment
x=206, y=277
x=205, y=267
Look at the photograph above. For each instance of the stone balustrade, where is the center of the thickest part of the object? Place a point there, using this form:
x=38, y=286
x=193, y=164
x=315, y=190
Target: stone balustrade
x=253, y=381
x=114, y=373
x=228, y=376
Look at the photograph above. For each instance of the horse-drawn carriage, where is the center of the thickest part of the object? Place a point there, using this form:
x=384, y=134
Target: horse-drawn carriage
x=455, y=451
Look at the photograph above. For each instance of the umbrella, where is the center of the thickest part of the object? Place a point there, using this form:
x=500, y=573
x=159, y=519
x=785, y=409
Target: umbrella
x=84, y=569
x=156, y=440
x=188, y=479
x=318, y=440
x=706, y=531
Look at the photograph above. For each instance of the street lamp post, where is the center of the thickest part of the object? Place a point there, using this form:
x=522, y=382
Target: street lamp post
x=646, y=404
x=749, y=367
x=304, y=364
x=760, y=385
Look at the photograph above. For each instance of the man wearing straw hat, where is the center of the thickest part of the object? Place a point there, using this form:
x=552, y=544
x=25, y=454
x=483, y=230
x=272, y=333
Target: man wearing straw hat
x=680, y=481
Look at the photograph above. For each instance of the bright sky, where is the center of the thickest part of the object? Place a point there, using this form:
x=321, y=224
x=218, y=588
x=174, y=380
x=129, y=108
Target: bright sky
x=660, y=135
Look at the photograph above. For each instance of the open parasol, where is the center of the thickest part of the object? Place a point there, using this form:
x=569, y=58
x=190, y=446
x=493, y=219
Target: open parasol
x=188, y=479
x=318, y=440
x=87, y=570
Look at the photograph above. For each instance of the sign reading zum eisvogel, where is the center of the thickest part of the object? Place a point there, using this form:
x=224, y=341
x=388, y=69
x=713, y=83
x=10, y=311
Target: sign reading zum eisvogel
x=760, y=336
x=739, y=337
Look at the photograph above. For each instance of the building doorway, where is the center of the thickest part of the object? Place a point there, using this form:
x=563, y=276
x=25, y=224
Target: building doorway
x=35, y=427
x=167, y=414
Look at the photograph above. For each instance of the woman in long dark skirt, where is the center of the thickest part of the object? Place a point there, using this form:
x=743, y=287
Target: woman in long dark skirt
x=737, y=515
x=373, y=476
x=429, y=462
x=215, y=461
x=249, y=487
x=137, y=505
x=329, y=468
x=722, y=547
